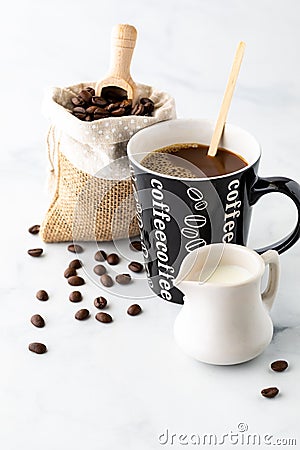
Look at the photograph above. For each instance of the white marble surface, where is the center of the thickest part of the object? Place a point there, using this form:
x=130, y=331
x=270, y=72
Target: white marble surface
x=121, y=386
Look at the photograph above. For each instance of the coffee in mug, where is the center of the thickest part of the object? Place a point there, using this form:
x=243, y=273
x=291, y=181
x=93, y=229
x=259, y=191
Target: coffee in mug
x=191, y=160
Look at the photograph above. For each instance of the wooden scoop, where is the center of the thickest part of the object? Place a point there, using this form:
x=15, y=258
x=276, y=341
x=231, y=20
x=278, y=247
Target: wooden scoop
x=213, y=148
x=123, y=40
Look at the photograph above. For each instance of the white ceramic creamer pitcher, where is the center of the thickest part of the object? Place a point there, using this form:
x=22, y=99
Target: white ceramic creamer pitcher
x=225, y=318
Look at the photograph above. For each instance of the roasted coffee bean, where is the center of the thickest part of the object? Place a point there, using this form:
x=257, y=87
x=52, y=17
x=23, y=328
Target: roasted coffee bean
x=126, y=104
x=99, y=101
x=103, y=317
x=136, y=245
x=123, y=278
x=113, y=93
x=79, y=112
x=100, y=113
x=148, y=109
x=34, y=229
x=42, y=295
x=75, y=264
x=113, y=259
x=85, y=95
x=82, y=314
x=106, y=280
x=113, y=106
x=100, y=302
x=118, y=112
x=75, y=297
x=270, y=392
x=99, y=269
x=138, y=110
x=135, y=266
x=134, y=109
x=37, y=347
x=70, y=272
x=37, y=321
x=279, y=366
x=35, y=252
x=134, y=310
x=76, y=281
x=90, y=90
x=91, y=109
x=77, y=101
x=100, y=255
x=75, y=248
x=146, y=100
x=112, y=102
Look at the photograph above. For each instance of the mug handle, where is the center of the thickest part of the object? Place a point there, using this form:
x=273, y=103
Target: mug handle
x=268, y=296
x=285, y=186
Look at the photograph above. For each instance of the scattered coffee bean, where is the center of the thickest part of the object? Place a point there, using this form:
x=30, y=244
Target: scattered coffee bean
x=103, y=317
x=270, y=392
x=136, y=245
x=42, y=295
x=113, y=259
x=135, y=266
x=34, y=229
x=75, y=297
x=70, y=272
x=37, y=347
x=279, y=366
x=35, y=252
x=76, y=281
x=134, y=310
x=75, y=264
x=100, y=302
x=123, y=278
x=99, y=269
x=100, y=255
x=37, y=321
x=113, y=102
x=106, y=280
x=75, y=248
x=82, y=314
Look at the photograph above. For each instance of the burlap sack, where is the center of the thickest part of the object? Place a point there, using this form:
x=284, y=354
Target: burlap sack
x=92, y=195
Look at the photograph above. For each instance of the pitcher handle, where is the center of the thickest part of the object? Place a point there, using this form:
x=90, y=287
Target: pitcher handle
x=271, y=259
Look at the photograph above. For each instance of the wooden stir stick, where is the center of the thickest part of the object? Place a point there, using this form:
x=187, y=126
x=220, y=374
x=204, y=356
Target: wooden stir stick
x=123, y=41
x=218, y=131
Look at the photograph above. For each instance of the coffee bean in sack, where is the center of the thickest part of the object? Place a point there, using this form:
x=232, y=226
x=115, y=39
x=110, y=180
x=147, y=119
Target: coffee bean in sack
x=113, y=102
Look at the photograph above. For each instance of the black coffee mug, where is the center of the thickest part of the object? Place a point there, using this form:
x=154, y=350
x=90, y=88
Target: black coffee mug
x=178, y=215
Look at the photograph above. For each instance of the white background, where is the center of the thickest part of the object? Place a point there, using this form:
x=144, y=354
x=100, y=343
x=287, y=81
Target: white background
x=121, y=386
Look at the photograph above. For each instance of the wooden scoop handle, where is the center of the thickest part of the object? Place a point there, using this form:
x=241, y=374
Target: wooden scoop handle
x=123, y=41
